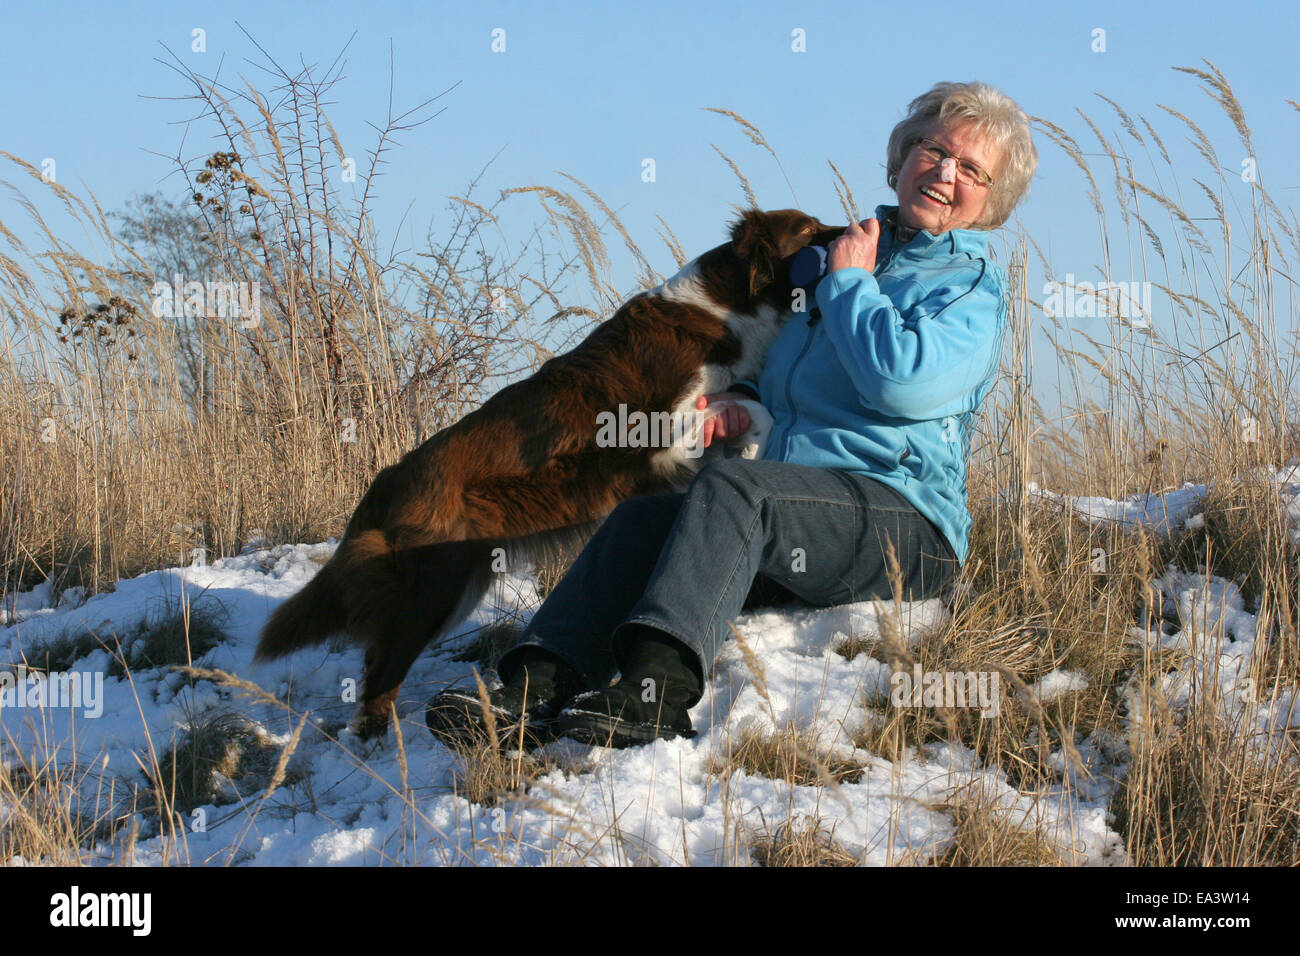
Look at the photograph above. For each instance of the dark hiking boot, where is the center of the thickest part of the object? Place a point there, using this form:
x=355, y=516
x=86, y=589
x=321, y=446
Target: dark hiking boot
x=522, y=710
x=650, y=702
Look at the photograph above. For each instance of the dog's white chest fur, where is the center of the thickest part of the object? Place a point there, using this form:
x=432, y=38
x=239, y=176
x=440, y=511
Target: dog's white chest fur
x=755, y=333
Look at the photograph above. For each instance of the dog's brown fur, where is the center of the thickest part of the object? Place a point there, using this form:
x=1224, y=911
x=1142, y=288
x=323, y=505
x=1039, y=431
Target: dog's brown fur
x=524, y=470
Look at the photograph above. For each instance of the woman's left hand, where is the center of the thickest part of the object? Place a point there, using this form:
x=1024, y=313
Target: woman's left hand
x=731, y=422
x=856, y=248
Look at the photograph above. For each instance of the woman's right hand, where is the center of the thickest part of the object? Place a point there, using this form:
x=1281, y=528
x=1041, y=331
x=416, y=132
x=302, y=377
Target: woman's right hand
x=856, y=248
x=732, y=420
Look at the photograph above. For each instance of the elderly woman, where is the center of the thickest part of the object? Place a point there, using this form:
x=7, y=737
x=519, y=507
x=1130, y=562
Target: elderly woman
x=874, y=398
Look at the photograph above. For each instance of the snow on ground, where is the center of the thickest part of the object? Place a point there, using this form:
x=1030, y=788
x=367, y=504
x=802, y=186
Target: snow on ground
x=347, y=803
x=1167, y=512
x=1177, y=508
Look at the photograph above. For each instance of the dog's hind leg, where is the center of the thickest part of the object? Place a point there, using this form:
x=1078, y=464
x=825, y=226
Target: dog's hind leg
x=387, y=665
x=442, y=585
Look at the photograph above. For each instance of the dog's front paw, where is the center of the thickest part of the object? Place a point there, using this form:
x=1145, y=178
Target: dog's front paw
x=370, y=726
x=351, y=739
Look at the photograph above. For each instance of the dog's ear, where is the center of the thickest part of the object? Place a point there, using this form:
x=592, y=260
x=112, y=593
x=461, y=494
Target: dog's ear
x=753, y=243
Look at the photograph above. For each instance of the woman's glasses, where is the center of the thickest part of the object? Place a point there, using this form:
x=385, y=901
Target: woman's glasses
x=968, y=173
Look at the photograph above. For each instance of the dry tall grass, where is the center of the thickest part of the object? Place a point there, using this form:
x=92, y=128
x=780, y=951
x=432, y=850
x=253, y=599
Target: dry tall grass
x=132, y=438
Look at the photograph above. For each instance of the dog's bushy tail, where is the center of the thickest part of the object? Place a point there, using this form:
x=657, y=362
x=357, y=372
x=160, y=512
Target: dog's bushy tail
x=357, y=591
x=322, y=607
x=307, y=618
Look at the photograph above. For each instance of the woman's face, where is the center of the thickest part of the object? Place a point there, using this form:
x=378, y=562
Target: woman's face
x=921, y=180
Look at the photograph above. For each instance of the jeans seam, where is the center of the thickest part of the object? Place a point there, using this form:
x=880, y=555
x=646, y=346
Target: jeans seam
x=856, y=506
x=749, y=534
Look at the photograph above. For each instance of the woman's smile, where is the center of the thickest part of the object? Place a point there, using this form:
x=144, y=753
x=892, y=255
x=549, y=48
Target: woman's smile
x=931, y=195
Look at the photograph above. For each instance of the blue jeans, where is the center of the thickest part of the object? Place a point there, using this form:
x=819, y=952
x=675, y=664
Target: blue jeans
x=744, y=534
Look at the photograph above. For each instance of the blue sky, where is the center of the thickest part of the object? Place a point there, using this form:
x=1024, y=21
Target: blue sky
x=595, y=88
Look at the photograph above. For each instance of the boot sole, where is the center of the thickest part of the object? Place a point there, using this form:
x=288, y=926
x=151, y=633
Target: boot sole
x=602, y=730
x=453, y=725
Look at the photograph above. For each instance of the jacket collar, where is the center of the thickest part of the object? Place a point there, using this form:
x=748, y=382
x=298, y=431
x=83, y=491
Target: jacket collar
x=972, y=241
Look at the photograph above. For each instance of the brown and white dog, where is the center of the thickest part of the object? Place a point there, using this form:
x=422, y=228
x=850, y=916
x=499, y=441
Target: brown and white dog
x=527, y=470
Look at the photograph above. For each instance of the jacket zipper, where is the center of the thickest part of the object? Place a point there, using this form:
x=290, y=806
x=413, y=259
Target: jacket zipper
x=814, y=315
x=789, y=395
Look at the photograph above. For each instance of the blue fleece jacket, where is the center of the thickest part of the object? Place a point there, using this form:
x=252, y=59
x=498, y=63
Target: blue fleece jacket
x=887, y=382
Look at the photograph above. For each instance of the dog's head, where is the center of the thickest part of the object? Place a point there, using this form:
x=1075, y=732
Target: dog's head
x=767, y=242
